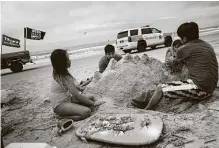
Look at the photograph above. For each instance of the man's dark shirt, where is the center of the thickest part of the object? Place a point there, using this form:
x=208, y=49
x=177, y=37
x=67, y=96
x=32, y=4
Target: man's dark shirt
x=200, y=58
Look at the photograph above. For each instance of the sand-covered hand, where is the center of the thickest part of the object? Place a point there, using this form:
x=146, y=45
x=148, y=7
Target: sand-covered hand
x=90, y=97
x=169, y=62
x=82, y=88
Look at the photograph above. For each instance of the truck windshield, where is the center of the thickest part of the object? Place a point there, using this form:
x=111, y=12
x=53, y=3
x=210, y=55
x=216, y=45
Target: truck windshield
x=122, y=34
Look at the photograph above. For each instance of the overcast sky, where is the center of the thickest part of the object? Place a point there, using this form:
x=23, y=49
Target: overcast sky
x=66, y=22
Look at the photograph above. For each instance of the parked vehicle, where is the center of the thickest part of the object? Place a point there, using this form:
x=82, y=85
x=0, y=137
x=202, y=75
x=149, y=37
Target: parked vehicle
x=15, y=60
x=141, y=38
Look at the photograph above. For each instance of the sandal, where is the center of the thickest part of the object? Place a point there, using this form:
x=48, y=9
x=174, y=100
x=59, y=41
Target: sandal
x=64, y=125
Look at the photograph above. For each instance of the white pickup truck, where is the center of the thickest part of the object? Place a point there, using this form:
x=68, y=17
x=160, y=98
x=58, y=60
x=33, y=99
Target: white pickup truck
x=141, y=38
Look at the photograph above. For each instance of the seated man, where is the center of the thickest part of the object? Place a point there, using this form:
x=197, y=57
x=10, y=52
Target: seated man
x=109, y=54
x=201, y=61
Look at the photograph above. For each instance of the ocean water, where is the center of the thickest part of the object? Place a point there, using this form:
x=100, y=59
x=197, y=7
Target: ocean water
x=213, y=39
x=74, y=54
x=99, y=50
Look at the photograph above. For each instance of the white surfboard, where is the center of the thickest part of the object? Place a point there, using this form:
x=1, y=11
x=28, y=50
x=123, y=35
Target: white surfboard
x=123, y=129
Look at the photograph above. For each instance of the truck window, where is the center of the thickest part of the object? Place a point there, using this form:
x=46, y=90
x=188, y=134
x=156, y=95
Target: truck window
x=146, y=31
x=134, y=32
x=154, y=30
x=122, y=34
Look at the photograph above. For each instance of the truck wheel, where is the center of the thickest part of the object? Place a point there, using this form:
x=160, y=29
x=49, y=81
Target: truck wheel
x=141, y=46
x=16, y=67
x=168, y=41
x=128, y=51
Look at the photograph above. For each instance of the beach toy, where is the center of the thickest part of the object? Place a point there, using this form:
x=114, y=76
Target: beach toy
x=122, y=129
x=86, y=82
x=64, y=125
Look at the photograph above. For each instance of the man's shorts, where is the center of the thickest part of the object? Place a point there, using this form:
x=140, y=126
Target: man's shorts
x=183, y=90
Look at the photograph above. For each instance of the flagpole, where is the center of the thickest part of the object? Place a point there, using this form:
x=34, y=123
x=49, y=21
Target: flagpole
x=1, y=44
x=25, y=36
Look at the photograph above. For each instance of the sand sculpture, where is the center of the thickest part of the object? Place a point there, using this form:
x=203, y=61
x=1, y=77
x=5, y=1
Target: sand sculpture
x=129, y=78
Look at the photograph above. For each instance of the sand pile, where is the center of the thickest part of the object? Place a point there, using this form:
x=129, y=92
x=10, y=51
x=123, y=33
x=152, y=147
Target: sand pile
x=129, y=78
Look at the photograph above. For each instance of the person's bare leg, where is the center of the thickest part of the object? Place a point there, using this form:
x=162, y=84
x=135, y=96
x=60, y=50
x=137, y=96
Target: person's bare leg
x=73, y=100
x=75, y=118
x=155, y=99
x=74, y=111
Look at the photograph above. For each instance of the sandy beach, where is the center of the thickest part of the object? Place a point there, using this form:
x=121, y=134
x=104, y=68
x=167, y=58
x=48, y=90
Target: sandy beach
x=31, y=116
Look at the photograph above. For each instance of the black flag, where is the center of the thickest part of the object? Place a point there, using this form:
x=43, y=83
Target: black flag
x=9, y=41
x=33, y=34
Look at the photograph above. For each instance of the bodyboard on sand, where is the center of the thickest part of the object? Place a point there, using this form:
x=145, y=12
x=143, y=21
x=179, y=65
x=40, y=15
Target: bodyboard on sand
x=122, y=129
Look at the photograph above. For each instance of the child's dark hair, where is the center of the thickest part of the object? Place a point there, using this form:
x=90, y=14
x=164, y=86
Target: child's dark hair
x=60, y=65
x=59, y=61
x=109, y=49
x=188, y=30
x=177, y=42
